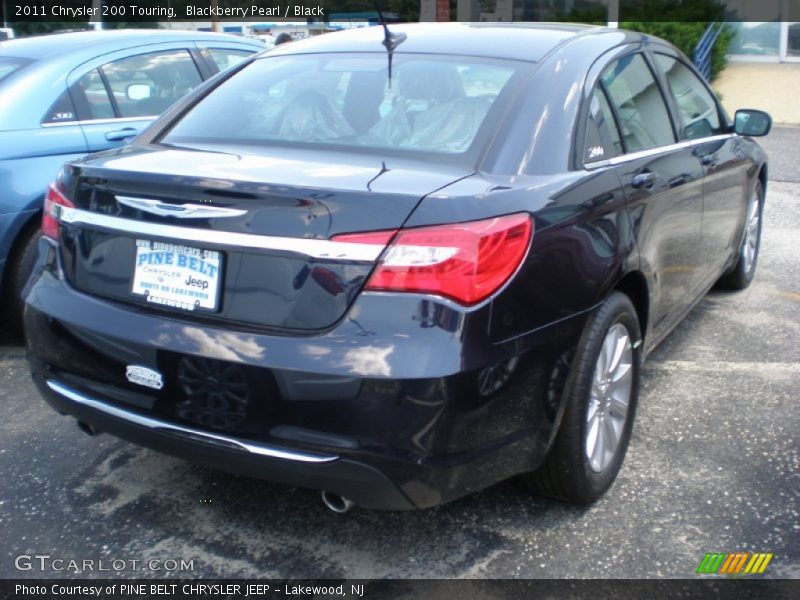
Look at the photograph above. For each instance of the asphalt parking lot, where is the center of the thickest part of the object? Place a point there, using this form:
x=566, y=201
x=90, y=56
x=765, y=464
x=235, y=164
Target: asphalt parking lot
x=714, y=465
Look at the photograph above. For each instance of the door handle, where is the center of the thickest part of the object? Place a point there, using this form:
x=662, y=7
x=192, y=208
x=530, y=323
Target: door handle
x=121, y=134
x=678, y=181
x=646, y=179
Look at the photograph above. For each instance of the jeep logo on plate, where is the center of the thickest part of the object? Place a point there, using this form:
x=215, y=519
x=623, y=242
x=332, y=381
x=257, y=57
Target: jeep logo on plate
x=144, y=376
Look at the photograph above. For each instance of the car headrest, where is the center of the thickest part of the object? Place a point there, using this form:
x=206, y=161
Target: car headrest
x=436, y=82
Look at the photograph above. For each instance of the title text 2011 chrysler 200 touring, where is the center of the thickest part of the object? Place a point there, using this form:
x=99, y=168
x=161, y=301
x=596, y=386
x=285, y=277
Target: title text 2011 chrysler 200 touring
x=398, y=266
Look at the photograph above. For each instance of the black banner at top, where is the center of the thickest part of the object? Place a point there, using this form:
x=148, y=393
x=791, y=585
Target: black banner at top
x=121, y=12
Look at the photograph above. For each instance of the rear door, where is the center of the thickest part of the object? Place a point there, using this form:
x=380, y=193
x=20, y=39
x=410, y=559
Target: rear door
x=116, y=96
x=702, y=123
x=663, y=184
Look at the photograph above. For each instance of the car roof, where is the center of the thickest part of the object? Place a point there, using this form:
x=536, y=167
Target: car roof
x=516, y=41
x=93, y=43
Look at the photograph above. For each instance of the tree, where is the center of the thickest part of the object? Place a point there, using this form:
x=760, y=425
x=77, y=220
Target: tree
x=686, y=36
x=689, y=20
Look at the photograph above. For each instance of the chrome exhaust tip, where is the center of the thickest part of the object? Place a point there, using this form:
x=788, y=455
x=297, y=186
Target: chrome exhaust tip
x=88, y=429
x=335, y=502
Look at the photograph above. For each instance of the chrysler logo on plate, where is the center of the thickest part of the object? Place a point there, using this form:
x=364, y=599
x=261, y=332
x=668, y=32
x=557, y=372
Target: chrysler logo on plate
x=143, y=376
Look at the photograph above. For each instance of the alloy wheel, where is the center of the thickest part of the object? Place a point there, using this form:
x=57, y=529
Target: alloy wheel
x=750, y=244
x=609, y=397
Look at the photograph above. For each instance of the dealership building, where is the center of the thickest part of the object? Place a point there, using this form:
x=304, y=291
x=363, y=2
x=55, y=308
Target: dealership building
x=766, y=30
x=763, y=57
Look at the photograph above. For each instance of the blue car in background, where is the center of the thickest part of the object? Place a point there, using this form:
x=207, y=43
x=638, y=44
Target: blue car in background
x=66, y=95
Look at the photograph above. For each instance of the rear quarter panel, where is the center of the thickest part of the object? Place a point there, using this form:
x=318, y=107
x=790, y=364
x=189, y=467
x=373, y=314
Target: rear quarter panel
x=582, y=242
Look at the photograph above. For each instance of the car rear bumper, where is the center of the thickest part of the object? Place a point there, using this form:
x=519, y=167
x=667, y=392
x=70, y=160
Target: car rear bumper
x=385, y=409
x=363, y=484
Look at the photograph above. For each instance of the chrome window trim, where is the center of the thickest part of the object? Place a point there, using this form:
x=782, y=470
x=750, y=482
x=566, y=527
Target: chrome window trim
x=311, y=248
x=623, y=158
x=195, y=434
x=101, y=121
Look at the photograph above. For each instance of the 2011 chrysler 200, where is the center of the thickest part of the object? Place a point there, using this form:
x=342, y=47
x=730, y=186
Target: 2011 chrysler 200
x=398, y=265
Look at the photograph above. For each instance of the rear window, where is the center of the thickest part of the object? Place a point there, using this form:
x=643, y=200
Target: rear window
x=9, y=65
x=433, y=104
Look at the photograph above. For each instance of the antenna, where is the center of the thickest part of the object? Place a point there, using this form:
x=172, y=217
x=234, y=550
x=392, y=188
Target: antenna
x=391, y=39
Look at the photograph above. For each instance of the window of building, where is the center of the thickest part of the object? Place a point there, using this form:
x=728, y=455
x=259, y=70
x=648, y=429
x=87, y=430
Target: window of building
x=756, y=39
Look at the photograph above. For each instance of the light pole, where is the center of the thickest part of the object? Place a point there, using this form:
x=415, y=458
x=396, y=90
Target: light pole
x=613, y=13
x=97, y=9
x=214, y=24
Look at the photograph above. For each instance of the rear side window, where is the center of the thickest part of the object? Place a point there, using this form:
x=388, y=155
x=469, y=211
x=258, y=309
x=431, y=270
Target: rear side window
x=147, y=84
x=602, y=139
x=432, y=104
x=91, y=97
x=698, y=109
x=641, y=111
x=62, y=111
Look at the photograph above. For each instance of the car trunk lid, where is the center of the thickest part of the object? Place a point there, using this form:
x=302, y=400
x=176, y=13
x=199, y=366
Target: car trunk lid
x=233, y=235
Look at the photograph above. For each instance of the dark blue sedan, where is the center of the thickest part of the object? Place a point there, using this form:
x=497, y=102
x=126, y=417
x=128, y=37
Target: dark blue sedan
x=399, y=267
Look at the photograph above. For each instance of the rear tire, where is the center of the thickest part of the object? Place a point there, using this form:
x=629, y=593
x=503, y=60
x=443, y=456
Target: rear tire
x=19, y=270
x=601, y=394
x=741, y=274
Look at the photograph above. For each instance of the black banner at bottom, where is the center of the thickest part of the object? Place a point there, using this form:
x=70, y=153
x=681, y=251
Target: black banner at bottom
x=433, y=589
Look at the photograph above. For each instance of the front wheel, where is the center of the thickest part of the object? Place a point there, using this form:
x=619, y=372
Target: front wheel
x=741, y=274
x=601, y=394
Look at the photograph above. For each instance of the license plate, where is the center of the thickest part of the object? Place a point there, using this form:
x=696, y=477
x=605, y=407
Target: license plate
x=177, y=276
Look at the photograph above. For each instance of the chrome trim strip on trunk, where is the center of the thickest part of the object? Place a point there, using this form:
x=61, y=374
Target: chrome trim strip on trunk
x=311, y=248
x=194, y=434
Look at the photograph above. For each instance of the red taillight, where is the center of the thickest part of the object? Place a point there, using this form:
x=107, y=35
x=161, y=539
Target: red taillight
x=467, y=262
x=52, y=200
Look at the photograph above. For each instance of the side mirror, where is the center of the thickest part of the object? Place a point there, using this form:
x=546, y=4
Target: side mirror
x=752, y=123
x=138, y=91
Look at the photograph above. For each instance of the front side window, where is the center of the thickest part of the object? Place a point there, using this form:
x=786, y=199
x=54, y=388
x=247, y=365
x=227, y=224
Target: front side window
x=147, y=84
x=225, y=58
x=432, y=104
x=698, y=109
x=636, y=97
x=602, y=139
